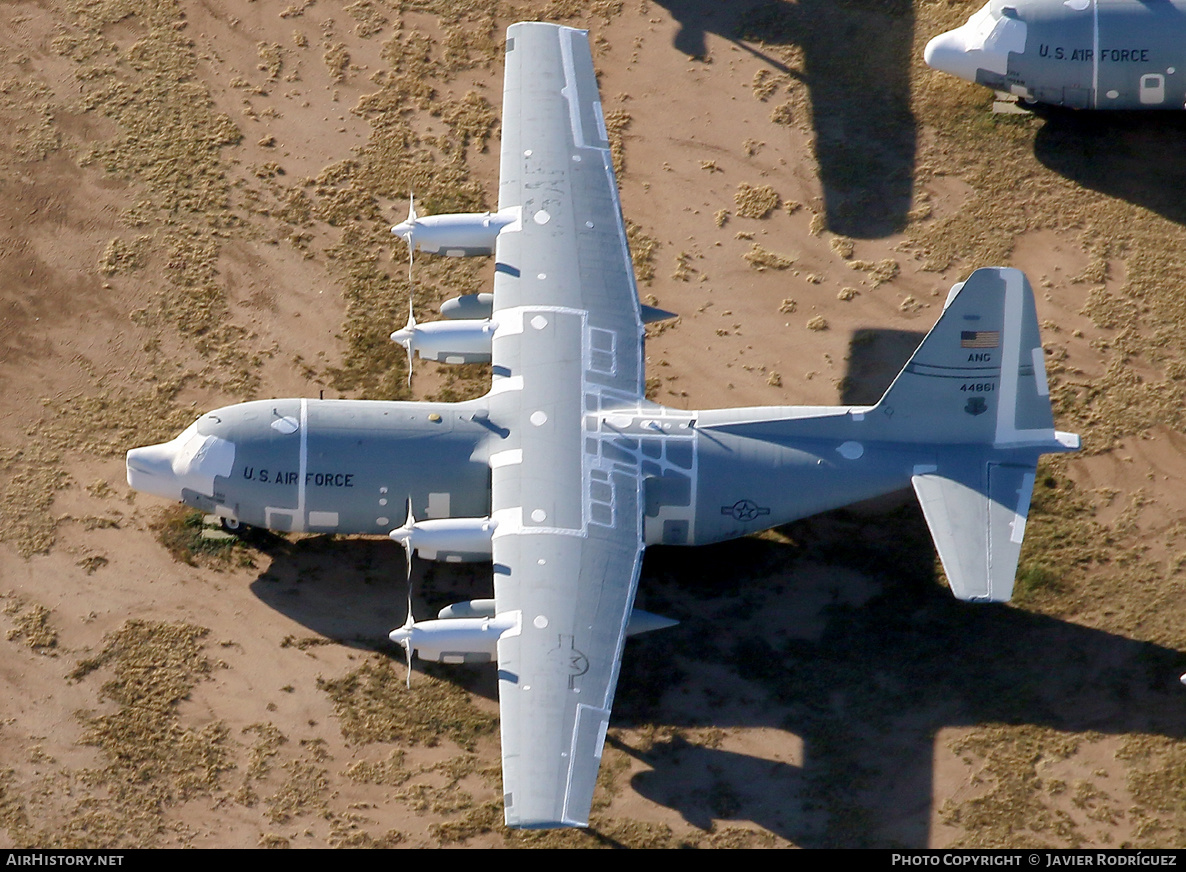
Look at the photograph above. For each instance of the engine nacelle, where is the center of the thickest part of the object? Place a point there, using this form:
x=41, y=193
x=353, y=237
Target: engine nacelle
x=455, y=540
x=479, y=608
x=457, y=235
x=448, y=341
x=640, y=621
x=471, y=307
x=459, y=640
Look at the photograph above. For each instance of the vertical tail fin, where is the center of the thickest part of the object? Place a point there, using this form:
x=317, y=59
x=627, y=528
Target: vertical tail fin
x=972, y=406
x=979, y=376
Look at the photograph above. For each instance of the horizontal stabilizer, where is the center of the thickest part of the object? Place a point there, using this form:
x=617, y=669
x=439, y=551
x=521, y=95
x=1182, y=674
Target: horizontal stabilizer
x=976, y=511
x=645, y=622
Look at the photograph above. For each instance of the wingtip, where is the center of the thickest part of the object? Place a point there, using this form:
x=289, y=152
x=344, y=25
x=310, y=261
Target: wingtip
x=1068, y=441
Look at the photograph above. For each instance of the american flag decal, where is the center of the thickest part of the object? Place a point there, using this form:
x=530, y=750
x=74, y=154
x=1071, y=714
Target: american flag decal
x=980, y=338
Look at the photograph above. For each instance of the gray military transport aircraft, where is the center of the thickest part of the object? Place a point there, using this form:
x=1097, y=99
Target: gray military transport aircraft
x=1085, y=54
x=563, y=473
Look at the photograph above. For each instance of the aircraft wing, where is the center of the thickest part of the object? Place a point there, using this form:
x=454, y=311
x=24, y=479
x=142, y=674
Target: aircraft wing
x=566, y=354
x=568, y=248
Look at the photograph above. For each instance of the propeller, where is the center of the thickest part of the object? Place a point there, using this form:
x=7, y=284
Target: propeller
x=403, y=535
x=406, y=336
x=406, y=230
x=403, y=636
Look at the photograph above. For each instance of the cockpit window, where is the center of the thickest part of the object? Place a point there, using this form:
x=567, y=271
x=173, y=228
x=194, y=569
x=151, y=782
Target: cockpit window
x=980, y=25
x=191, y=448
x=992, y=35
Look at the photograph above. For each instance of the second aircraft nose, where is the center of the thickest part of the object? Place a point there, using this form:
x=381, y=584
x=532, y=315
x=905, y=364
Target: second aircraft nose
x=947, y=53
x=191, y=461
x=150, y=470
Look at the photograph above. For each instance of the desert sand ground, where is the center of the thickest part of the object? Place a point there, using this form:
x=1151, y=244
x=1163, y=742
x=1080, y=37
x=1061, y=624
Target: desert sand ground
x=194, y=203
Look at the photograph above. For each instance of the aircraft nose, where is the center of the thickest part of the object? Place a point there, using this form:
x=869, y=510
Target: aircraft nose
x=948, y=53
x=150, y=469
x=191, y=461
x=403, y=229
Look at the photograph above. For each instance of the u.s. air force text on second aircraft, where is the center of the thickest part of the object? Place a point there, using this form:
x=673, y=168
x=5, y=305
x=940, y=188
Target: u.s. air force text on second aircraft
x=315, y=479
x=1084, y=54
x=1113, y=55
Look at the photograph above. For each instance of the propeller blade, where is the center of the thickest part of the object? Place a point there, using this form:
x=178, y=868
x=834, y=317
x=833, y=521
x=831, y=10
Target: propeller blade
x=403, y=535
x=406, y=336
x=410, y=524
x=411, y=328
x=411, y=233
x=406, y=230
x=410, y=621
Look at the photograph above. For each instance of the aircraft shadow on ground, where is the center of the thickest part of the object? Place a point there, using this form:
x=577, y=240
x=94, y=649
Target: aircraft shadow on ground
x=867, y=693
x=875, y=357
x=1133, y=156
x=841, y=634
x=837, y=635
x=354, y=591
x=856, y=58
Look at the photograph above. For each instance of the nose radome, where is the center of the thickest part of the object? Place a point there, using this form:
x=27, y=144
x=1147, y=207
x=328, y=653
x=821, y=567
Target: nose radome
x=947, y=53
x=150, y=470
x=190, y=461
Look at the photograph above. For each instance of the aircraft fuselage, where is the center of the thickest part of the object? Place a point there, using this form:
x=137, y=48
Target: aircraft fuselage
x=350, y=466
x=1084, y=54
